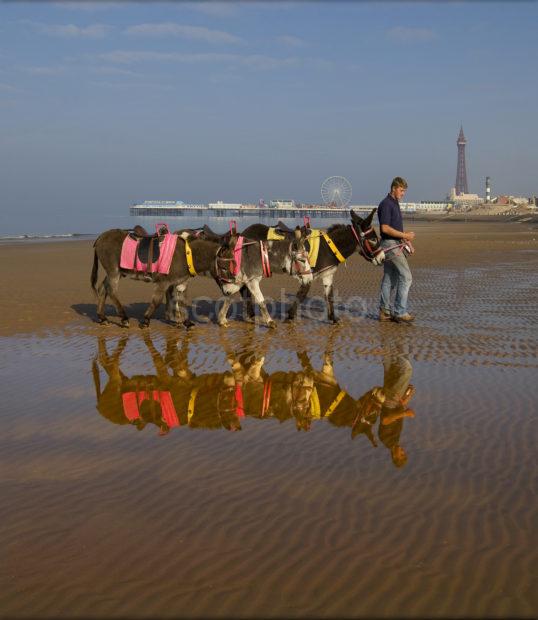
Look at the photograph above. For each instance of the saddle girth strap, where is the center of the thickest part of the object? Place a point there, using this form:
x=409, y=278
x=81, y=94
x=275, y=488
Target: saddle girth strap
x=333, y=247
x=190, y=261
x=265, y=260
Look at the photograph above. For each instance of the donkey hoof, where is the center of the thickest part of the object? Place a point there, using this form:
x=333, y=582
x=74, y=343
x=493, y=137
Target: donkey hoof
x=124, y=323
x=223, y=323
x=289, y=319
x=103, y=321
x=188, y=323
x=334, y=319
x=144, y=324
x=271, y=324
x=249, y=319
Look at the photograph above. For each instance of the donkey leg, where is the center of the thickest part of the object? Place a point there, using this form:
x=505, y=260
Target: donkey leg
x=299, y=298
x=101, y=299
x=248, y=306
x=113, y=283
x=158, y=294
x=254, y=287
x=181, y=312
x=329, y=297
x=221, y=317
x=171, y=311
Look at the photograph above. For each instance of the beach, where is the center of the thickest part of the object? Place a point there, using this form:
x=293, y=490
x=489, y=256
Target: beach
x=270, y=487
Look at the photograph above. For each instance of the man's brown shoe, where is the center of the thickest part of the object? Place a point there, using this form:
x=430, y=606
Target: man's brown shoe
x=384, y=315
x=403, y=318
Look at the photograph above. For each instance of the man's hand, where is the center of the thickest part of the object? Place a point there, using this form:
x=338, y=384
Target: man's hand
x=409, y=236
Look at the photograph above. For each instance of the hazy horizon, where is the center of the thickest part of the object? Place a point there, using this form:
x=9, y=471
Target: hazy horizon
x=106, y=104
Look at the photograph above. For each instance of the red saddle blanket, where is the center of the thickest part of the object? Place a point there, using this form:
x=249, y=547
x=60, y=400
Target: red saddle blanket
x=130, y=260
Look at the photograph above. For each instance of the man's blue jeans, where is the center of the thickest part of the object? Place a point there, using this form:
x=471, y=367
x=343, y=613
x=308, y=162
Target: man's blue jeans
x=396, y=280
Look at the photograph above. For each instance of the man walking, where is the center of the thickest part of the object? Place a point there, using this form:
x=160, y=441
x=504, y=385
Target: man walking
x=397, y=275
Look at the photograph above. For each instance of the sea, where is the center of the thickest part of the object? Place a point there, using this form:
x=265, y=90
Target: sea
x=92, y=229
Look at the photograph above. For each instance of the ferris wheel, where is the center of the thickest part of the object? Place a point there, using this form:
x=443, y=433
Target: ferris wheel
x=336, y=192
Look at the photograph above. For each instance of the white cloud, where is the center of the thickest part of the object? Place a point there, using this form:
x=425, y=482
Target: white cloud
x=290, y=41
x=254, y=61
x=7, y=88
x=179, y=30
x=95, y=31
x=89, y=7
x=411, y=35
x=45, y=70
x=113, y=71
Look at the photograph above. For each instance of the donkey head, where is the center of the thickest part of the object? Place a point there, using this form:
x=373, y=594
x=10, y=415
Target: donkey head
x=299, y=264
x=369, y=244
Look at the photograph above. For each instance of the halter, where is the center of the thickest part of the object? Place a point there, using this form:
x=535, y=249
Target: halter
x=298, y=259
x=300, y=266
x=364, y=247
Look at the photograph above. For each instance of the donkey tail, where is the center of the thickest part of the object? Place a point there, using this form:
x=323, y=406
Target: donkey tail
x=95, y=269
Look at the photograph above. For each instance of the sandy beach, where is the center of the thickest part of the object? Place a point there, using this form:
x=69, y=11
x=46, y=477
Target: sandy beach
x=270, y=487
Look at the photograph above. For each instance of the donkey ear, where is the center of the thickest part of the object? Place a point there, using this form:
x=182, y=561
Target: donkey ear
x=298, y=232
x=368, y=220
x=355, y=218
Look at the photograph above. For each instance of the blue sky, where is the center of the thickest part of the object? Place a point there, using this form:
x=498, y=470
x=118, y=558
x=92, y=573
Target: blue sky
x=103, y=104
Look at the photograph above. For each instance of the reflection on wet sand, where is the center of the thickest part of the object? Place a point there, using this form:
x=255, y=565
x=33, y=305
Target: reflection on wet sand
x=175, y=397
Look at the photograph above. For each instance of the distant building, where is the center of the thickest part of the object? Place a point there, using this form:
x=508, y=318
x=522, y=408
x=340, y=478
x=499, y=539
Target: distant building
x=224, y=205
x=428, y=206
x=516, y=201
x=464, y=199
x=282, y=204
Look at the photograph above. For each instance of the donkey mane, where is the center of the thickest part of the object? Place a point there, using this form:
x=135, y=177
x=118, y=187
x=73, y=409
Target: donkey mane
x=336, y=227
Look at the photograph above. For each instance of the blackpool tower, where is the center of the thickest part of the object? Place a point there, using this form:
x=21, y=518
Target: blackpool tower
x=461, y=174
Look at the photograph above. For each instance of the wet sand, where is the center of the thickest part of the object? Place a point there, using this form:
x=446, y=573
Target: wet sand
x=113, y=509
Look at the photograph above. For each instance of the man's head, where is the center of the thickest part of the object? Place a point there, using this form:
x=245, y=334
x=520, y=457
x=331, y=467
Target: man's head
x=398, y=187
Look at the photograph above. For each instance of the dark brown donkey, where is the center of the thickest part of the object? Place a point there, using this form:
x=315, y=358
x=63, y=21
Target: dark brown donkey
x=358, y=236
x=107, y=251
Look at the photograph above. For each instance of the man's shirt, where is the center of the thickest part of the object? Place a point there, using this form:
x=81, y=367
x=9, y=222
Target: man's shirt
x=389, y=213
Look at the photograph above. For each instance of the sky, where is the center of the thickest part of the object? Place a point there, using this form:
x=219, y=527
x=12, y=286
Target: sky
x=103, y=104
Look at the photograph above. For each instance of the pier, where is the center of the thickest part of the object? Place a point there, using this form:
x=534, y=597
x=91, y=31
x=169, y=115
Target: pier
x=231, y=212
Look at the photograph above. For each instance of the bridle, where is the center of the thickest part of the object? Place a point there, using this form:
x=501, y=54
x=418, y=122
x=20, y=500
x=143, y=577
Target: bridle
x=365, y=248
x=300, y=265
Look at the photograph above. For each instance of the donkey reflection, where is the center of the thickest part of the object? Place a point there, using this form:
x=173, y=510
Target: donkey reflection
x=174, y=396
x=142, y=399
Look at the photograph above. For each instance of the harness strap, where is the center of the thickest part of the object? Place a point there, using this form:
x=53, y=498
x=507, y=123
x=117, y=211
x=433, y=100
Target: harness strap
x=190, y=261
x=190, y=406
x=266, y=397
x=335, y=403
x=265, y=260
x=333, y=247
x=240, y=407
x=398, y=246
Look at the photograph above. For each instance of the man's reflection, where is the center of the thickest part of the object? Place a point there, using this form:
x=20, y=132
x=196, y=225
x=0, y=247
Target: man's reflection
x=173, y=396
x=398, y=392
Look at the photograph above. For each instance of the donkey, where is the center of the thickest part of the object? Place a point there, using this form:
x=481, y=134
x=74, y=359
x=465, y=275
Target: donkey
x=107, y=252
x=345, y=238
x=359, y=235
x=284, y=255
